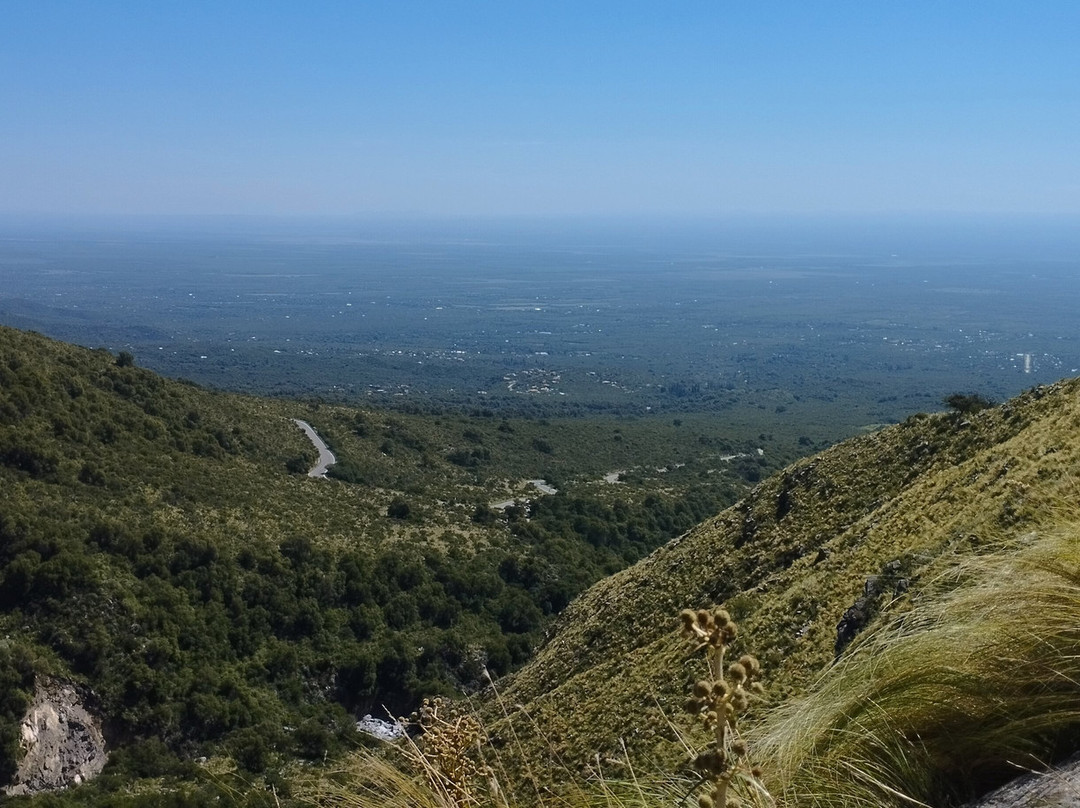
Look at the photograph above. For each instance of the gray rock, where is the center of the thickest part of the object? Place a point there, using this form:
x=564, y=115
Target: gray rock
x=61, y=742
x=1058, y=787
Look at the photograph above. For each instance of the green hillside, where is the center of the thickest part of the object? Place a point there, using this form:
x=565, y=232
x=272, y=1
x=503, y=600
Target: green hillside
x=911, y=595
x=162, y=545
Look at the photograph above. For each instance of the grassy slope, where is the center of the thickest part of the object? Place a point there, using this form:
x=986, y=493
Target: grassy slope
x=973, y=684
x=789, y=560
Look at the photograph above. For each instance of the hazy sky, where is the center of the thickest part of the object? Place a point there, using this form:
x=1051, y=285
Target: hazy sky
x=512, y=106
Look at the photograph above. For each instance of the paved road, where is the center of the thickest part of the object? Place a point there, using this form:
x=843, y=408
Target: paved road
x=540, y=485
x=326, y=457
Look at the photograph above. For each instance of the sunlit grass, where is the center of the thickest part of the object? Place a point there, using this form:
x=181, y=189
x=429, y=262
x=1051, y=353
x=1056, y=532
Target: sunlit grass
x=952, y=698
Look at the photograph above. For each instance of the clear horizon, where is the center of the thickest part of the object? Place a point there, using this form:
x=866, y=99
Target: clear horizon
x=699, y=110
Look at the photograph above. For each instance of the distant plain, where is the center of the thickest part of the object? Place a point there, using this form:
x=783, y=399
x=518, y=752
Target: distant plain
x=833, y=326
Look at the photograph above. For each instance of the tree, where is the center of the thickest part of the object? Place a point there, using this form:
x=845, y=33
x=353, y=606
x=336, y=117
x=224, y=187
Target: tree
x=484, y=515
x=968, y=403
x=398, y=509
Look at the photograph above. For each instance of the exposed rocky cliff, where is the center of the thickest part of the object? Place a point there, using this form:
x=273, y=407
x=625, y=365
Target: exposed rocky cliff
x=62, y=744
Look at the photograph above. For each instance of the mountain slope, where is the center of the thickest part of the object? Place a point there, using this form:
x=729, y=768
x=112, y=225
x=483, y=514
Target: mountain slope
x=874, y=519
x=162, y=547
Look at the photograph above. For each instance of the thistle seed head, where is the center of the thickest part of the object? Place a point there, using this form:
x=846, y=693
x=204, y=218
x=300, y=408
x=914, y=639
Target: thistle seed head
x=718, y=703
x=687, y=617
x=710, y=762
x=753, y=667
x=716, y=763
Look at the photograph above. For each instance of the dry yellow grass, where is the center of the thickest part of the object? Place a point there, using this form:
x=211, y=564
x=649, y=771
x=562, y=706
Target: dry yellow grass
x=977, y=683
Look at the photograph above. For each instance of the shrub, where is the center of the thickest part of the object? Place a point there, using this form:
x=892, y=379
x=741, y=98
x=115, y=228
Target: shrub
x=967, y=403
x=398, y=509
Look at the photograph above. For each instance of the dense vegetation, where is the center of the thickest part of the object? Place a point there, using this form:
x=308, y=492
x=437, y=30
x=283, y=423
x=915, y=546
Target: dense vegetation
x=164, y=546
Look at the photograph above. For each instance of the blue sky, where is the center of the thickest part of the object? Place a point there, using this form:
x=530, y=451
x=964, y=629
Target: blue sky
x=667, y=107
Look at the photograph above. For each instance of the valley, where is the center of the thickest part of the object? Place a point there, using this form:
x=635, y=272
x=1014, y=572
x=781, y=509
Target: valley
x=384, y=474
x=531, y=405
x=849, y=324
x=165, y=547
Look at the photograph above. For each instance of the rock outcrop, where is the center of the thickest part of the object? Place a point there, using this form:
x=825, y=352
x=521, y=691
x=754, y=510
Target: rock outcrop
x=1058, y=787
x=62, y=744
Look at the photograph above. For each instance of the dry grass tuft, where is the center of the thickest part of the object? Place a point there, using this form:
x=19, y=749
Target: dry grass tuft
x=952, y=697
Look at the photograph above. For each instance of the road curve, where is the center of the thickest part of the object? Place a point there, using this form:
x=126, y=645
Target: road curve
x=326, y=457
x=541, y=486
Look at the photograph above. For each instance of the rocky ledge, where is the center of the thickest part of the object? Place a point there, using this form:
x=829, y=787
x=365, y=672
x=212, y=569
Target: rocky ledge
x=62, y=744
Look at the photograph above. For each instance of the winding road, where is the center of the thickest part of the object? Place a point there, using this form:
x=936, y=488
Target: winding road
x=540, y=485
x=326, y=457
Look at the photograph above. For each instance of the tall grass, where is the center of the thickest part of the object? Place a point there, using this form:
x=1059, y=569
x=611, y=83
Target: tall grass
x=978, y=682
x=371, y=779
x=455, y=764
